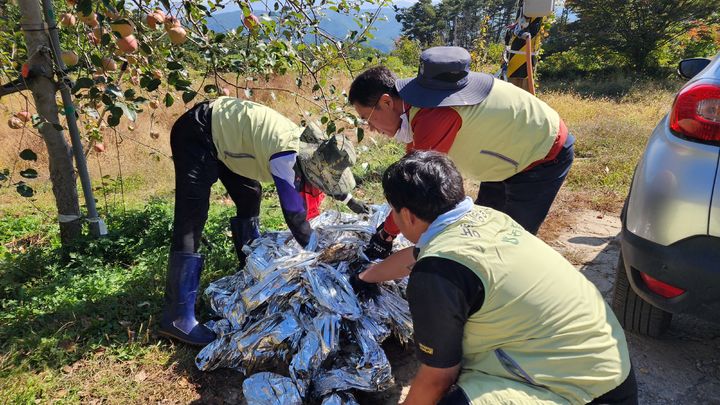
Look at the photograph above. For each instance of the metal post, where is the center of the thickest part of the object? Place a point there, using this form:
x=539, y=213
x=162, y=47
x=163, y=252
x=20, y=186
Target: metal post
x=96, y=224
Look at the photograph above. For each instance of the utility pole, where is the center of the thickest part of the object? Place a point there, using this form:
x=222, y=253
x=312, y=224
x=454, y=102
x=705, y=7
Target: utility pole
x=39, y=79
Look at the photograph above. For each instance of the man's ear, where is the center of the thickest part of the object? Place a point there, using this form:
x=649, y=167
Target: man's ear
x=408, y=217
x=386, y=99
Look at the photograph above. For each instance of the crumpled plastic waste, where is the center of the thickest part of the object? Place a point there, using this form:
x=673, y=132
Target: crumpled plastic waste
x=270, y=389
x=342, y=398
x=291, y=322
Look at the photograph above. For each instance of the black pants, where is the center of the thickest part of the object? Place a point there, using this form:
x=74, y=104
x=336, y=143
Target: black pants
x=527, y=196
x=197, y=168
x=624, y=394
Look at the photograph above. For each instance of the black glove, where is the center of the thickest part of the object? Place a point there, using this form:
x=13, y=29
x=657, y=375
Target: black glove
x=364, y=290
x=358, y=206
x=379, y=247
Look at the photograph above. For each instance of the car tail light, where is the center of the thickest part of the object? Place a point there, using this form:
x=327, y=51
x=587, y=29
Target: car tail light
x=696, y=112
x=658, y=287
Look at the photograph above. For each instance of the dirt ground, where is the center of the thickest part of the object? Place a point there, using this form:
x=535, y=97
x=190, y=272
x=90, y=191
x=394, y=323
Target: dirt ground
x=683, y=367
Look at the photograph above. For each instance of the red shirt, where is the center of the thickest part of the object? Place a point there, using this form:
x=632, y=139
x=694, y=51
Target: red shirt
x=433, y=129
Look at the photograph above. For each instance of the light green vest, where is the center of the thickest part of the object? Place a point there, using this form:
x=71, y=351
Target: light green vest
x=542, y=322
x=247, y=134
x=503, y=134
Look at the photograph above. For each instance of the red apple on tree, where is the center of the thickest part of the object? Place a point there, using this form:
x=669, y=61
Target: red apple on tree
x=127, y=44
x=251, y=22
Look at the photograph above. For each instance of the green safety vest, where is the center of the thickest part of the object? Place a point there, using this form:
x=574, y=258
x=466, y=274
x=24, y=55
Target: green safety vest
x=503, y=134
x=542, y=322
x=247, y=134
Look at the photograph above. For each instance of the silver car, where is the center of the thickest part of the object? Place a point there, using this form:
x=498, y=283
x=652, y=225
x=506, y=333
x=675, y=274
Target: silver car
x=670, y=238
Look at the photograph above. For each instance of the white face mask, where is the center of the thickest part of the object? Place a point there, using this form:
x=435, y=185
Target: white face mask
x=404, y=133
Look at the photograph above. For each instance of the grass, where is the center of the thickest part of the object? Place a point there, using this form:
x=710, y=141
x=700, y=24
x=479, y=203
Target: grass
x=78, y=325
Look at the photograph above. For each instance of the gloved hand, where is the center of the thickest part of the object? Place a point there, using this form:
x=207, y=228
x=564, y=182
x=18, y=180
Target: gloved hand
x=358, y=206
x=363, y=289
x=379, y=247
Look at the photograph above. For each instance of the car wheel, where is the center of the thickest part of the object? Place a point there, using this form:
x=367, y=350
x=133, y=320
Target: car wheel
x=634, y=314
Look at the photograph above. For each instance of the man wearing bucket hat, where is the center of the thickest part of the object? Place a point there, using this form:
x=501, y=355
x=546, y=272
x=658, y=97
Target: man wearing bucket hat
x=242, y=143
x=517, y=146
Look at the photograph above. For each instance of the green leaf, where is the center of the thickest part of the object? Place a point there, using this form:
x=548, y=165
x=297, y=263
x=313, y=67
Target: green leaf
x=182, y=84
x=96, y=60
x=210, y=88
x=115, y=114
x=360, y=134
x=315, y=88
x=83, y=83
x=145, y=48
x=153, y=84
x=28, y=154
x=4, y=174
x=130, y=114
x=145, y=81
x=173, y=65
x=114, y=90
x=29, y=173
x=331, y=128
x=169, y=100
x=187, y=96
x=25, y=190
x=84, y=7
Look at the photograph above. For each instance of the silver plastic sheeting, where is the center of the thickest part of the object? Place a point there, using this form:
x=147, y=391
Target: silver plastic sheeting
x=270, y=389
x=340, y=399
x=391, y=309
x=332, y=290
x=366, y=368
x=292, y=311
x=265, y=343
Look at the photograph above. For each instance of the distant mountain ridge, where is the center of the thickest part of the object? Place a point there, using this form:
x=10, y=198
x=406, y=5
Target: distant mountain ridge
x=387, y=29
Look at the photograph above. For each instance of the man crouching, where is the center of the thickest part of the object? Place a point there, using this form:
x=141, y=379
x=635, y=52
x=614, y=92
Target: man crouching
x=499, y=316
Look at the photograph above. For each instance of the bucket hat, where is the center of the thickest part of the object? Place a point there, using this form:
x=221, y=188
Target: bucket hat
x=326, y=162
x=444, y=79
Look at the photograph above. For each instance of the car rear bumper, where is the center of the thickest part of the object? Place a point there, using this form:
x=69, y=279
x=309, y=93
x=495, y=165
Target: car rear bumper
x=692, y=264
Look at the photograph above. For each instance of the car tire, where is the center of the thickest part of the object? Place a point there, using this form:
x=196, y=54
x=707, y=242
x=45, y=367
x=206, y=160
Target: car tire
x=634, y=314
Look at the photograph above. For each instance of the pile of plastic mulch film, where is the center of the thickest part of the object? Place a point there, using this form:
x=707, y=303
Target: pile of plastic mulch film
x=292, y=323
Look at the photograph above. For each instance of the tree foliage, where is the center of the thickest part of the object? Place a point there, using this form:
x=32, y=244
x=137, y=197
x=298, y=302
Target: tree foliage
x=126, y=57
x=419, y=21
x=457, y=22
x=637, y=29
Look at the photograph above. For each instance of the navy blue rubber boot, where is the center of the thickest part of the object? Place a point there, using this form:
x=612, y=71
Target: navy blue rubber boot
x=178, y=318
x=244, y=231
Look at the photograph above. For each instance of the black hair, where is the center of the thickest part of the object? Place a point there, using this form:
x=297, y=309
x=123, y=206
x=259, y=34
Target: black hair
x=371, y=84
x=425, y=182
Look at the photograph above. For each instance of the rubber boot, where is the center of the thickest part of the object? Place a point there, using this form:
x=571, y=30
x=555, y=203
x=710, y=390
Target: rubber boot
x=244, y=231
x=178, y=319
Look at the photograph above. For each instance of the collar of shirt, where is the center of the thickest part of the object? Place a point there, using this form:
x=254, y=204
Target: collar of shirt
x=441, y=222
